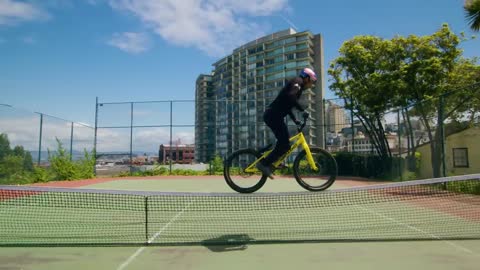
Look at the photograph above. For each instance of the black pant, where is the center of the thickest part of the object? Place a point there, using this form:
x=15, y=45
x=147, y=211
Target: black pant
x=277, y=124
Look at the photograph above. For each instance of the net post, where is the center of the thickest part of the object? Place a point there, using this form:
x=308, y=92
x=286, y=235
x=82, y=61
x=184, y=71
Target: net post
x=146, y=221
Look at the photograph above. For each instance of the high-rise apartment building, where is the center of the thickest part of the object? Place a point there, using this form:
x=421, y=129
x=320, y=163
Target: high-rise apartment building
x=246, y=81
x=204, y=119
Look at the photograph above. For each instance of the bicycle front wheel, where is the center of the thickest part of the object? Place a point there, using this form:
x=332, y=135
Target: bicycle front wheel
x=236, y=176
x=315, y=180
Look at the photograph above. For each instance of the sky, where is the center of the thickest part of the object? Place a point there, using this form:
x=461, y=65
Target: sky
x=57, y=56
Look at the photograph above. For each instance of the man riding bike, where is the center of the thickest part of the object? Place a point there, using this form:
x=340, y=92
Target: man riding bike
x=275, y=113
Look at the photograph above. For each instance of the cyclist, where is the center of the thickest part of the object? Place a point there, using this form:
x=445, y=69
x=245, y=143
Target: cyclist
x=275, y=113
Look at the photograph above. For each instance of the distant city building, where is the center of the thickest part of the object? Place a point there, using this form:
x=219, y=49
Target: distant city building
x=177, y=153
x=246, y=81
x=336, y=119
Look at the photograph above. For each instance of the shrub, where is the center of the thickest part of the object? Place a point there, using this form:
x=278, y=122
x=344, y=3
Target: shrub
x=468, y=187
x=216, y=165
x=41, y=174
x=372, y=166
x=64, y=168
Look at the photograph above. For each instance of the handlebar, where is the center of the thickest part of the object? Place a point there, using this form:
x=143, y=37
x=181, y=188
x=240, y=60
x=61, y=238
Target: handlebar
x=302, y=125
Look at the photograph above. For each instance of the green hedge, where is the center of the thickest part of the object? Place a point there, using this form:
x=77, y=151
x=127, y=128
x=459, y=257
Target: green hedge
x=371, y=166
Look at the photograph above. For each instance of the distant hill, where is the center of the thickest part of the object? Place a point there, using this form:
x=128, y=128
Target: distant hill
x=77, y=155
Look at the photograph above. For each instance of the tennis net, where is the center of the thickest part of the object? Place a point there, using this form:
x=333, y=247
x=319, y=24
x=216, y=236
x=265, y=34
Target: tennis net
x=433, y=209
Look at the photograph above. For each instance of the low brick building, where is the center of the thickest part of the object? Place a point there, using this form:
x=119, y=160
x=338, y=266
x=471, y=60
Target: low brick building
x=180, y=154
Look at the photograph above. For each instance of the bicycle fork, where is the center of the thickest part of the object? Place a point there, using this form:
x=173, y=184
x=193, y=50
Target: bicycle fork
x=301, y=141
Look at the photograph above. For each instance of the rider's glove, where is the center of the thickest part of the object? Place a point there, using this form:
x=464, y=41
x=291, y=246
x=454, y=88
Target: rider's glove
x=305, y=115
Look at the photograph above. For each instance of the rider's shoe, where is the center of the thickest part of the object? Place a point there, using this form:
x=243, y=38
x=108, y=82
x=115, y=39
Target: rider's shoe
x=265, y=170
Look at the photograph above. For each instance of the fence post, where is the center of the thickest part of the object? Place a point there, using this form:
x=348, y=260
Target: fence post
x=71, y=142
x=131, y=138
x=352, y=125
x=40, y=140
x=353, y=130
x=171, y=126
x=324, y=124
x=442, y=135
x=399, y=160
x=95, y=138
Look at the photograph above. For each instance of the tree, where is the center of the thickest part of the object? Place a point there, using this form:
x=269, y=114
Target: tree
x=216, y=164
x=61, y=163
x=14, y=161
x=26, y=157
x=367, y=77
x=374, y=75
x=463, y=102
x=472, y=13
x=11, y=165
x=4, y=146
x=64, y=168
x=427, y=67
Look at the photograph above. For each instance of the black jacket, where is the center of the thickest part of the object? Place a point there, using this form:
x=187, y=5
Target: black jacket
x=288, y=98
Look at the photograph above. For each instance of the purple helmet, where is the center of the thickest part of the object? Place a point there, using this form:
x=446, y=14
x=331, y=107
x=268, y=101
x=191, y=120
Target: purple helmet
x=307, y=72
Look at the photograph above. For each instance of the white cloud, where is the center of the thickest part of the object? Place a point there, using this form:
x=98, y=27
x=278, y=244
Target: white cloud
x=144, y=139
x=25, y=131
x=12, y=12
x=213, y=26
x=130, y=42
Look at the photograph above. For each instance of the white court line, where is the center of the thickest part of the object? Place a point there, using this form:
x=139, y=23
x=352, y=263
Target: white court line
x=140, y=250
x=418, y=230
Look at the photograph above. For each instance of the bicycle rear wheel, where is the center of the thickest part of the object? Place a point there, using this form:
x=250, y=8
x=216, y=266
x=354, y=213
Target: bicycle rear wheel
x=235, y=175
x=318, y=180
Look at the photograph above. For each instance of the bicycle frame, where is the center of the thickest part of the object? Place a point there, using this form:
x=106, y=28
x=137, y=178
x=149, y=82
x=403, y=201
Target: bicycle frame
x=299, y=141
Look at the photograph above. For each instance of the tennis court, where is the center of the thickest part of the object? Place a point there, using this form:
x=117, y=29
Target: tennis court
x=198, y=223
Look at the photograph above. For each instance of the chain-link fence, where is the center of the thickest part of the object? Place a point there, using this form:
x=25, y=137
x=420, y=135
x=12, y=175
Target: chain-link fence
x=135, y=136
x=436, y=137
x=186, y=134
x=29, y=139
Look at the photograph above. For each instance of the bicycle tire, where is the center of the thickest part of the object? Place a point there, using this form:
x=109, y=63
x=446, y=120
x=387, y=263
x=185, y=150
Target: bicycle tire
x=247, y=155
x=326, y=174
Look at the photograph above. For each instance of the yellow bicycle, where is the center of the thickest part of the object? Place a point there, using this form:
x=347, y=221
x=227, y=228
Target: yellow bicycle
x=314, y=168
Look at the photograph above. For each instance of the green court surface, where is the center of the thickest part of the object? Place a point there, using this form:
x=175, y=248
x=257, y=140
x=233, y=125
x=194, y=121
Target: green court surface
x=377, y=219
x=200, y=184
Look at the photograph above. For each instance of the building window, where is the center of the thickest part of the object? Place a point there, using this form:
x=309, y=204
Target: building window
x=460, y=157
x=302, y=55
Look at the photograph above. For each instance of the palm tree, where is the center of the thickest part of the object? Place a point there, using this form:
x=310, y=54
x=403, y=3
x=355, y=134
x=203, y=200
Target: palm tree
x=472, y=10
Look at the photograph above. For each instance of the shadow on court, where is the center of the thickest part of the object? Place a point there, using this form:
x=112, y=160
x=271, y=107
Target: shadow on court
x=229, y=242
